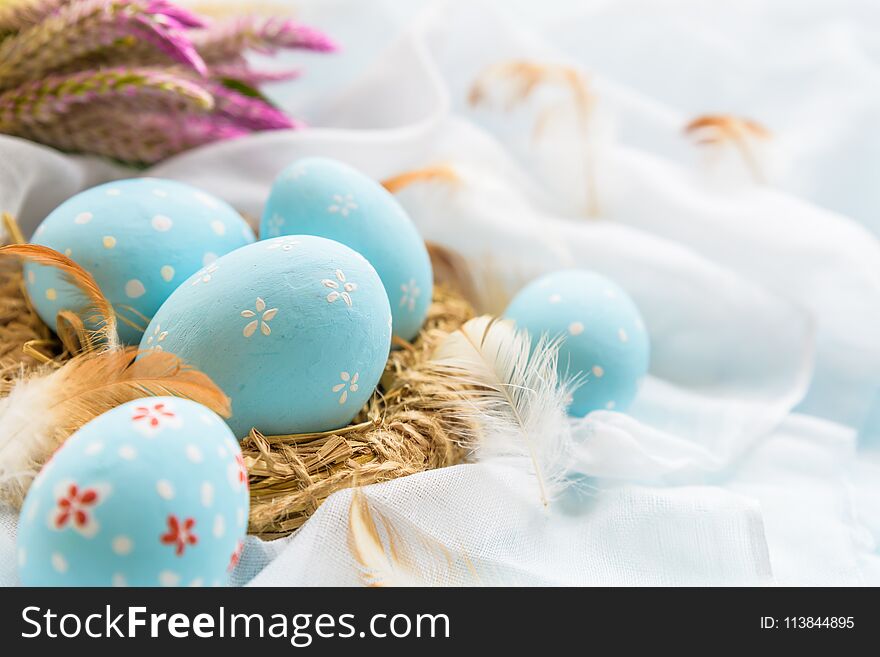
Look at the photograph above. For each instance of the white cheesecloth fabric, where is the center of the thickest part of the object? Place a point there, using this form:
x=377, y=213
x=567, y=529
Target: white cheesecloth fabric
x=772, y=476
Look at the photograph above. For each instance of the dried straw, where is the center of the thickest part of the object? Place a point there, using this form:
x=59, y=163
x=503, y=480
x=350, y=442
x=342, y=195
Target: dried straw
x=25, y=341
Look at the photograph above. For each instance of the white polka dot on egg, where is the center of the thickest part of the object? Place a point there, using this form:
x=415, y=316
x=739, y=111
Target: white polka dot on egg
x=219, y=526
x=576, y=328
x=122, y=545
x=165, y=489
x=59, y=563
x=208, y=258
x=169, y=578
x=161, y=223
x=207, y=494
x=94, y=448
x=83, y=218
x=194, y=454
x=134, y=289
x=218, y=227
x=167, y=273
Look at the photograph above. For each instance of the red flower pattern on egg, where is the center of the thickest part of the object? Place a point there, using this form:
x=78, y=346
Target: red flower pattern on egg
x=179, y=534
x=150, y=418
x=74, y=508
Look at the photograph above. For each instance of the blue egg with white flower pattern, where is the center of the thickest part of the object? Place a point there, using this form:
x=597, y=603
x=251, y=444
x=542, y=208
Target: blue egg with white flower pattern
x=140, y=239
x=319, y=196
x=604, y=339
x=296, y=330
x=152, y=493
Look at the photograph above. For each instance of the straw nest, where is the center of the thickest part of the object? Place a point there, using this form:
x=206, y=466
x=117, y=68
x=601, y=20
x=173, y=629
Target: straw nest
x=400, y=431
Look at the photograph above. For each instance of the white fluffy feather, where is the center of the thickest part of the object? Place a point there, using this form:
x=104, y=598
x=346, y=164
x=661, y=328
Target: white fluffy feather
x=23, y=413
x=517, y=397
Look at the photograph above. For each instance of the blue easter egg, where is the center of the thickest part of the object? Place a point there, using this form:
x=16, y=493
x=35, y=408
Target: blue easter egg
x=318, y=196
x=140, y=239
x=604, y=337
x=296, y=330
x=151, y=493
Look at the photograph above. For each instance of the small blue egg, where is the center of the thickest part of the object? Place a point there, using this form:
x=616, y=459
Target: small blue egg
x=605, y=342
x=140, y=239
x=151, y=493
x=318, y=196
x=296, y=330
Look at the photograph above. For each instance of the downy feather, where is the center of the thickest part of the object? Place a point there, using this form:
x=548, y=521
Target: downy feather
x=47, y=406
x=392, y=561
x=380, y=565
x=517, y=397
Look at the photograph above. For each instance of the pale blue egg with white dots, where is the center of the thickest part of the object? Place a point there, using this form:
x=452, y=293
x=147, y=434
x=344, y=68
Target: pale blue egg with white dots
x=324, y=197
x=296, y=330
x=604, y=339
x=140, y=239
x=152, y=493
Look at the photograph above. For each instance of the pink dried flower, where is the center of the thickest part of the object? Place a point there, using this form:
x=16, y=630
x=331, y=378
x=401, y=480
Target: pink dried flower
x=229, y=40
x=242, y=72
x=79, y=29
x=173, y=15
x=45, y=101
x=251, y=113
x=103, y=130
x=126, y=79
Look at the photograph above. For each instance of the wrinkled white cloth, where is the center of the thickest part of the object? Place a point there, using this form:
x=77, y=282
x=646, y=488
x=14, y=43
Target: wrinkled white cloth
x=752, y=453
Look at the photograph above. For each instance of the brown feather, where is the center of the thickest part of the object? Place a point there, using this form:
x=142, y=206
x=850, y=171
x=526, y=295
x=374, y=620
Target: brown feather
x=96, y=302
x=44, y=409
x=720, y=129
x=437, y=172
x=727, y=126
x=521, y=79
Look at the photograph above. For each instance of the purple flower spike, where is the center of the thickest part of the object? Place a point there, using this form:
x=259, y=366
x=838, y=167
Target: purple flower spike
x=247, y=112
x=228, y=40
x=244, y=73
x=172, y=42
x=294, y=35
x=45, y=101
x=177, y=16
x=84, y=28
x=138, y=80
